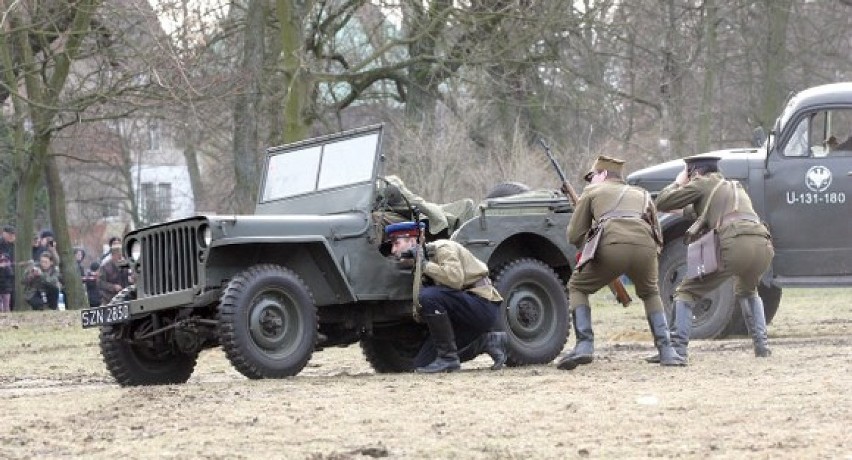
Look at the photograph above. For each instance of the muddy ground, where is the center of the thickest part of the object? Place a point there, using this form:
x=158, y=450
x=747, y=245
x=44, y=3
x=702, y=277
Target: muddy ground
x=56, y=399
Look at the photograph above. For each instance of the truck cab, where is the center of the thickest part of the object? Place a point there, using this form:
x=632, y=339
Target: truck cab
x=800, y=181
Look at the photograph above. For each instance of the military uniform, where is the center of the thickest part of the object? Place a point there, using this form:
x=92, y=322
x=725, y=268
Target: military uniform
x=459, y=304
x=746, y=248
x=629, y=245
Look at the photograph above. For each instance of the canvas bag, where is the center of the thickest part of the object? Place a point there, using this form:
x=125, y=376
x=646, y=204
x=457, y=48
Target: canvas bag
x=704, y=254
x=593, y=237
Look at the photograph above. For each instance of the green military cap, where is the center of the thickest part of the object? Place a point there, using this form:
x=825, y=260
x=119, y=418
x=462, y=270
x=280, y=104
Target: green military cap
x=698, y=161
x=614, y=165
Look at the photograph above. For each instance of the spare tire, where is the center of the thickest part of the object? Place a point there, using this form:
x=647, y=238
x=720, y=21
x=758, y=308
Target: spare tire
x=506, y=189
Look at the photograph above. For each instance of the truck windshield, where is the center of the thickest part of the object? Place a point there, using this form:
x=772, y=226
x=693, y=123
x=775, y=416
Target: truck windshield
x=320, y=167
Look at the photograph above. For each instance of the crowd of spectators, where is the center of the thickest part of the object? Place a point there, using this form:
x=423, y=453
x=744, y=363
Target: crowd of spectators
x=102, y=275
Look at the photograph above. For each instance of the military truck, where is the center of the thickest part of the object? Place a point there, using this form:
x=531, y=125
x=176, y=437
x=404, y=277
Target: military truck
x=309, y=270
x=799, y=181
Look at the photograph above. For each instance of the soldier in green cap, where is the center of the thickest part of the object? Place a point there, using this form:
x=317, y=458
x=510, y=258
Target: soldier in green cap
x=629, y=245
x=746, y=246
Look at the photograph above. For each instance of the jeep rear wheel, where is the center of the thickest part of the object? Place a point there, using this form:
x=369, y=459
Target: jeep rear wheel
x=712, y=314
x=534, y=311
x=267, y=322
x=132, y=359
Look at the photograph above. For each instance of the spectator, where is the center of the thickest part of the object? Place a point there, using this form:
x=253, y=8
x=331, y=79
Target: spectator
x=7, y=283
x=79, y=256
x=45, y=243
x=41, y=282
x=90, y=280
x=106, y=255
x=7, y=247
x=112, y=278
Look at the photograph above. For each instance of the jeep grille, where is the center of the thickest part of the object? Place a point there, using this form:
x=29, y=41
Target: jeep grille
x=169, y=261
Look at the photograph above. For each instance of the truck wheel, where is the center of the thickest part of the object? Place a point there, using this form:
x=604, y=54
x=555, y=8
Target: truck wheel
x=390, y=356
x=267, y=322
x=534, y=311
x=771, y=296
x=145, y=361
x=712, y=314
x=506, y=189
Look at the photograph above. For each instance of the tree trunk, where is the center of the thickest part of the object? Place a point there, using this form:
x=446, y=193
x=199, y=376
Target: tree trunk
x=705, y=116
x=296, y=76
x=778, y=13
x=75, y=297
x=246, y=146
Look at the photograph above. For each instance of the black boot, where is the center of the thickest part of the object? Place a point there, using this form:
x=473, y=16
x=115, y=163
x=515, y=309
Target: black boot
x=441, y=330
x=660, y=331
x=682, y=327
x=584, y=349
x=755, y=319
x=493, y=343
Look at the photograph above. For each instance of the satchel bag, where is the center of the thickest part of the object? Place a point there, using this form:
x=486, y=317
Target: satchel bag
x=590, y=247
x=704, y=253
x=593, y=237
x=703, y=256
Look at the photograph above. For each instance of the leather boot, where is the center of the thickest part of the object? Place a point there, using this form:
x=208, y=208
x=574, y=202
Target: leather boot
x=755, y=319
x=682, y=327
x=660, y=330
x=493, y=343
x=441, y=330
x=584, y=349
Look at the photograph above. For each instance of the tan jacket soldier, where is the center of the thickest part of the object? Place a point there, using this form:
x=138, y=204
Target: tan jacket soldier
x=457, y=301
x=629, y=245
x=746, y=247
x=451, y=264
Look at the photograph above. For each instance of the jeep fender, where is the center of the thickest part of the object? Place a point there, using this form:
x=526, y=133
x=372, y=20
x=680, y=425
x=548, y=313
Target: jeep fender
x=310, y=257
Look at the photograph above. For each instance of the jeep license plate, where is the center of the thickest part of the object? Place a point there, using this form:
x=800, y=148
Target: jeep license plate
x=102, y=316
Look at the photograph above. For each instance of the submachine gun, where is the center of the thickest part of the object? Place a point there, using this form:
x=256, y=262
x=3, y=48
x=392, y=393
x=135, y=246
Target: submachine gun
x=616, y=286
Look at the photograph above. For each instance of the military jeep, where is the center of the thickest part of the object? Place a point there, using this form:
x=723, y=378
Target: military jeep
x=310, y=270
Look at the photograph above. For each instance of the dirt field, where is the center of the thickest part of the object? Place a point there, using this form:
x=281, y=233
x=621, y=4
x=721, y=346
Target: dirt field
x=57, y=400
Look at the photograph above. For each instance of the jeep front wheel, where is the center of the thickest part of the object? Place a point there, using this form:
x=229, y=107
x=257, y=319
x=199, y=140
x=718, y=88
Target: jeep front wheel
x=534, y=311
x=134, y=357
x=267, y=322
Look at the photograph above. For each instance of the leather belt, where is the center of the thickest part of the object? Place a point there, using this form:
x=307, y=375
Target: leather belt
x=481, y=282
x=620, y=215
x=738, y=216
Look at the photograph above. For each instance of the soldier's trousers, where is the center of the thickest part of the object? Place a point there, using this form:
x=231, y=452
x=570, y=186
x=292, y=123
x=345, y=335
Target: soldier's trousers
x=745, y=257
x=639, y=263
x=470, y=315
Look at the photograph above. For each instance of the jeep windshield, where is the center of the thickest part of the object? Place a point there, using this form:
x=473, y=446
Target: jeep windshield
x=324, y=175
x=320, y=167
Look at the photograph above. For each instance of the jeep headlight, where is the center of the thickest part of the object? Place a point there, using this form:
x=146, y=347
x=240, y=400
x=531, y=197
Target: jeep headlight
x=205, y=235
x=135, y=250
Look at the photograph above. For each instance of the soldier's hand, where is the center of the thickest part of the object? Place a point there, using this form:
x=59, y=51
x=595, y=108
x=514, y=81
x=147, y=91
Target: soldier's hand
x=682, y=177
x=409, y=257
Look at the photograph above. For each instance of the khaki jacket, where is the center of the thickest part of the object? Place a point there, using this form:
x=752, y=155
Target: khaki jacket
x=598, y=199
x=451, y=264
x=437, y=217
x=694, y=195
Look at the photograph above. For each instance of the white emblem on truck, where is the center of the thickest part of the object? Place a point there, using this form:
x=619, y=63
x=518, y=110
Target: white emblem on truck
x=818, y=178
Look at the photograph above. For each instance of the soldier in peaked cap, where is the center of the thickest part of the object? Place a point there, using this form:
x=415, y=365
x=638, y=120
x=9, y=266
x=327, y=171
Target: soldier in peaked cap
x=460, y=306
x=746, y=246
x=628, y=245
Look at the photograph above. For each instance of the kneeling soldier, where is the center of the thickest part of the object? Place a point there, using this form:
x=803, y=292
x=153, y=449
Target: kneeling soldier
x=460, y=306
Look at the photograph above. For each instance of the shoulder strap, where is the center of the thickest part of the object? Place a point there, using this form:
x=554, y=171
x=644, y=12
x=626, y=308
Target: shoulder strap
x=710, y=201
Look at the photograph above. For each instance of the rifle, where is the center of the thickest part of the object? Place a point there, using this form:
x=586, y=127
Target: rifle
x=616, y=286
